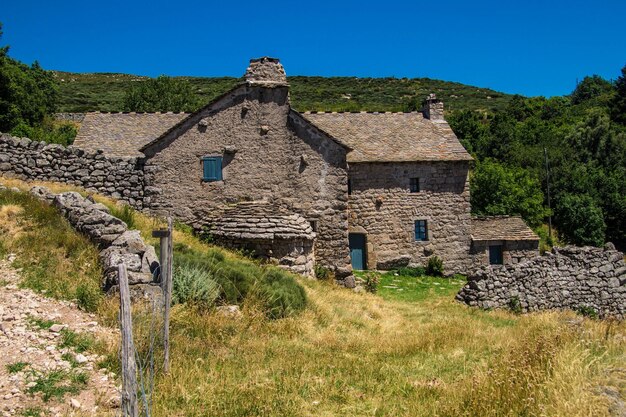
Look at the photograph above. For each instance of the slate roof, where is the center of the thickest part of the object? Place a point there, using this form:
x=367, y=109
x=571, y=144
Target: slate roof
x=501, y=228
x=391, y=137
x=260, y=220
x=123, y=134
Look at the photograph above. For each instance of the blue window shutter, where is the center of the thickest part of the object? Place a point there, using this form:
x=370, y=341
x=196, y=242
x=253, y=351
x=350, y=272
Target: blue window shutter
x=212, y=168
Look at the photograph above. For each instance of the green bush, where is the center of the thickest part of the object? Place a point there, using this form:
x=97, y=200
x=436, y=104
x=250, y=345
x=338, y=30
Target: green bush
x=409, y=271
x=371, y=282
x=323, y=274
x=515, y=305
x=281, y=294
x=435, y=266
x=587, y=311
x=126, y=214
x=194, y=285
x=88, y=296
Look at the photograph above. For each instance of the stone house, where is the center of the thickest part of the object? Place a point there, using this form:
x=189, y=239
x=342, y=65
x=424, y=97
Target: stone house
x=341, y=190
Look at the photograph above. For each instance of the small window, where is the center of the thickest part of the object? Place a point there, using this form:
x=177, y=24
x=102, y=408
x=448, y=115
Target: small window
x=414, y=185
x=313, y=224
x=495, y=255
x=349, y=186
x=421, y=230
x=212, y=168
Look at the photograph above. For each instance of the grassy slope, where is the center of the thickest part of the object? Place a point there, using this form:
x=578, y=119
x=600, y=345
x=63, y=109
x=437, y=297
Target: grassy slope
x=105, y=92
x=403, y=353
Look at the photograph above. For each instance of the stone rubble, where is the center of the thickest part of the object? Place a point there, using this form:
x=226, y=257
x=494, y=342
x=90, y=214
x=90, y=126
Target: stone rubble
x=40, y=350
x=569, y=277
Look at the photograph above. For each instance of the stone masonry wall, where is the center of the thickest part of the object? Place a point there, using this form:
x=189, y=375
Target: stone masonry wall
x=569, y=277
x=117, y=244
x=513, y=251
x=269, y=154
x=121, y=178
x=382, y=206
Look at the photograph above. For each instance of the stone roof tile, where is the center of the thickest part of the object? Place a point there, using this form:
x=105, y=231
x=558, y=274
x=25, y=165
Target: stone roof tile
x=391, y=137
x=501, y=228
x=123, y=134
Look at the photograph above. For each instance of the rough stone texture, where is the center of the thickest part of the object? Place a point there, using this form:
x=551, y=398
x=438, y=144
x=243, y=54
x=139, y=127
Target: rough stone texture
x=119, y=245
x=433, y=109
x=266, y=71
x=270, y=154
x=513, y=251
x=70, y=117
x=569, y=277
x=121, y=178
x=382, y=207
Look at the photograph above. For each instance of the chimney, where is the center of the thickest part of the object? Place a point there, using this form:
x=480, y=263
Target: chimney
x=266, y=72
x=433, y=108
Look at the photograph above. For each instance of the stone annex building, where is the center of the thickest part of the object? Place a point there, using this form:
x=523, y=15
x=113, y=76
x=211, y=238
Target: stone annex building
x=343, y=190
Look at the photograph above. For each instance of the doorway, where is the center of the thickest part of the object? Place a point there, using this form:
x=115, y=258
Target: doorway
x=358, y=251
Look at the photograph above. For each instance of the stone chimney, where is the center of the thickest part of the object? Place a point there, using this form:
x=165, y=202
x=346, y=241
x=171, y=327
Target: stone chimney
x=266, y=72
x=433, y=108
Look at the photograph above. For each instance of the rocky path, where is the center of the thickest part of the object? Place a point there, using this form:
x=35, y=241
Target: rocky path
x=45, y=365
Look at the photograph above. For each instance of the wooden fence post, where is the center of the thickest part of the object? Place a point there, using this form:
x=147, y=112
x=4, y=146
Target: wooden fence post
x=167, y=295
x=129, y=366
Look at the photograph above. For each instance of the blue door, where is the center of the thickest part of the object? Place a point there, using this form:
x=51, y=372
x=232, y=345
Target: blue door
x=357, y=251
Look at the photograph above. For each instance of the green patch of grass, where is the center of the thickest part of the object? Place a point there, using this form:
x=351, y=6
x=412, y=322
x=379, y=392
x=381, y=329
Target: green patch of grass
x=125, y=213
x=80, y=342
x=57, y=383
x=55, y=259
x=394, y=286
x=40, y=323
x=68, y=357
x=16, y=367
x=33, y=412
x=4, y=282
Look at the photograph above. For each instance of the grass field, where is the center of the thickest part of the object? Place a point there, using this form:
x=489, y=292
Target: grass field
x=105, y=92
x=409, y=350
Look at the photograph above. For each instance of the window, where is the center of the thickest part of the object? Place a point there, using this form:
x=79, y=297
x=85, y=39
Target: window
x=313, y=224
x=212, y=168
x=414, y=185
x=421, y=230
x=495, y=255
x=349, y=186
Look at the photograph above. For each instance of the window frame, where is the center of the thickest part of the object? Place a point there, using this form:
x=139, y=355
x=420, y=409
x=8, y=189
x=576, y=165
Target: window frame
x=501, y=254
x=414, y=185
x=219, y=160
x=423, y=232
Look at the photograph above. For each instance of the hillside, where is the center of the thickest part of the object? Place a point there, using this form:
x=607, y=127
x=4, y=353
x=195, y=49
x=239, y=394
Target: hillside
x=105, y=92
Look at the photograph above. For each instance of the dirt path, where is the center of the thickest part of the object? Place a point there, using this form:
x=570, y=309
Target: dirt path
x=44, y=367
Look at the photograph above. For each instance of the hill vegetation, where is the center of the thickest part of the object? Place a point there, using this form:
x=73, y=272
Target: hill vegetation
x=106, y=92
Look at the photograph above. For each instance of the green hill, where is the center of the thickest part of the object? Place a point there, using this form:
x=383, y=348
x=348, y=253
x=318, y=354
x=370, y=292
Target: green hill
x=105, y=92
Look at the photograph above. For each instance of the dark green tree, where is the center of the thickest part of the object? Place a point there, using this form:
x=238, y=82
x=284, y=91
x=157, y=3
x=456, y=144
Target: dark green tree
x=27, y=93
x=496, y=189
x=590, y=88
x=618, y=104
x=580, y=220
x=161, y=94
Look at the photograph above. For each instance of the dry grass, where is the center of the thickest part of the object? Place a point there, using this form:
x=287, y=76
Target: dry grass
x=355, y=354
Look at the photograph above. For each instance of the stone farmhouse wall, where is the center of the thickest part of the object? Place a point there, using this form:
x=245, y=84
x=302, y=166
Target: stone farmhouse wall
x=269, y=154
x=513, y=251
x=121, y=178
x=569, y=277
x=382, y=207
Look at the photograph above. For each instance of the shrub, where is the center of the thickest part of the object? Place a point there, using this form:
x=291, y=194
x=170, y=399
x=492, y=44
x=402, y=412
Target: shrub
x=435, y=266
x=515, y=306
x=126, y=214
x=194, y=285
x=281, y=294
x=371, y=282
x=323, y=274
x=408, y=271
x=587, y=311
x=88, y=296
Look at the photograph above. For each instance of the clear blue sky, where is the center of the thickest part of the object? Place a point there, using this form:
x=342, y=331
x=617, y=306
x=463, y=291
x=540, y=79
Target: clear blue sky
x=528, y=47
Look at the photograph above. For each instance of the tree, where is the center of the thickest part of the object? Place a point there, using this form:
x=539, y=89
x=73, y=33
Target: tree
x=618, y=104
x=27, y=94
x=580, y=221
x=496, y=189
x=590, y=88
x=161, y=94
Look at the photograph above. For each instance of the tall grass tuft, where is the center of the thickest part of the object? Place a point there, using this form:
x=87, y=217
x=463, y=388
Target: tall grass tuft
x=194, y=285
x=281, y=294
x=125, y=213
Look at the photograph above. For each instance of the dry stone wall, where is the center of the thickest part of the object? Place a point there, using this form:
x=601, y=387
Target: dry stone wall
x=118, y=244
x=570, y=277
x=121, y=178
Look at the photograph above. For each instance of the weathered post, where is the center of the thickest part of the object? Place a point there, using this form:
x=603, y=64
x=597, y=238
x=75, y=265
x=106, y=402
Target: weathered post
x=166, y=252
x=168, y=296
x=129, y=367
